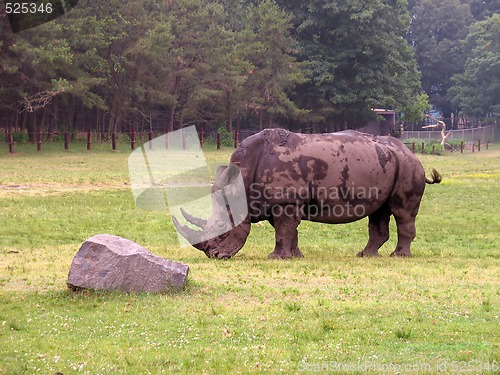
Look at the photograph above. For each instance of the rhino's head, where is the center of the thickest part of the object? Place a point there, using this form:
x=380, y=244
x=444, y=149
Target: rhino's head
x=224, y=233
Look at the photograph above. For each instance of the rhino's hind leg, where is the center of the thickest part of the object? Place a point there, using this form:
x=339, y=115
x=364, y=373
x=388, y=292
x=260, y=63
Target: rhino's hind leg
x=378, y=230
x=295, y=247
x=406, y=234
x=285, y=222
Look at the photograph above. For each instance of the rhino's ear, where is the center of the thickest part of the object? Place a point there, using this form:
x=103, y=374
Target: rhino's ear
x=220, y=170
x=226, y=175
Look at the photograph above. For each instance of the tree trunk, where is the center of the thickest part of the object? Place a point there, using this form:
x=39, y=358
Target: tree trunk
x=171, y=117
x=24, y=121
x=31, y=125
x=344, y=119
x=13, y=121
x=229, y=112
x=98, y=126
x=69, y=118
x=42, y=123
x=54, y=119
x=181, y=119
x=102, y=120
x=80, y=118
x=118, y=124
x=112, y=124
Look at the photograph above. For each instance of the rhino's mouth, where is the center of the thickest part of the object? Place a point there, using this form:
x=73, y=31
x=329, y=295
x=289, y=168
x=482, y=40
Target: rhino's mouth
x=224, y=233
x=223, y=246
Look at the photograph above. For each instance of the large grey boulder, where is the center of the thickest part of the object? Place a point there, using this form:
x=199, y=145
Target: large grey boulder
x=106, y=262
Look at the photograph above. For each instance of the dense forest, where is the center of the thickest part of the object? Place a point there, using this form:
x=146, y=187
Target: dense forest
x=108, y=65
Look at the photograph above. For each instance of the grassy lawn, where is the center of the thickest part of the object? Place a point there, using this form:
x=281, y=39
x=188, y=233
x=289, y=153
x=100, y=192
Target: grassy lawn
x=328, y=312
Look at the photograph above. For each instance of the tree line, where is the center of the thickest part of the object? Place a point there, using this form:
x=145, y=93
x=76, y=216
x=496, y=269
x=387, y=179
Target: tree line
x=321, y=64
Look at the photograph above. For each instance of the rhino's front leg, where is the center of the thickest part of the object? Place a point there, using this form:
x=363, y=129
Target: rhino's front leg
x=286, y=219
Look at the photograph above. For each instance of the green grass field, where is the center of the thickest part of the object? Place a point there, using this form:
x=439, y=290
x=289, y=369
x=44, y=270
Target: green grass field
x=329, y=312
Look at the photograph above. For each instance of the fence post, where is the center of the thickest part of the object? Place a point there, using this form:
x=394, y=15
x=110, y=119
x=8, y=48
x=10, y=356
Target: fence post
x=413, y=149
x=462, y=147
x=113, y=141
x=423, y=148
x=132, y=138
x=478, y=145
x=218, y=141
x=487, y=144
x=473, y=145
x=10, y=139
x=150, y=138
x=236, y=137
x=89, y=140
x=66, y=140
x=433, y=149
x=39, y=140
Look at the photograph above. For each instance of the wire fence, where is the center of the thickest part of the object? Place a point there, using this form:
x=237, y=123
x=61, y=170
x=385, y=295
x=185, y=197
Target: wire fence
x=436, y=149
x=132, y=139
x=483, y=134
x=217, y=139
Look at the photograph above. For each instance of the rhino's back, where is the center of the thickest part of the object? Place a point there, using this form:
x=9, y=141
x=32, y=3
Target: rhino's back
x=336, y=170
x=345, y=159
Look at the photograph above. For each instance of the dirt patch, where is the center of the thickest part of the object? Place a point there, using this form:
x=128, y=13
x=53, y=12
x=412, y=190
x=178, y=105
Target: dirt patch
x=13, y=186
x=52, y=189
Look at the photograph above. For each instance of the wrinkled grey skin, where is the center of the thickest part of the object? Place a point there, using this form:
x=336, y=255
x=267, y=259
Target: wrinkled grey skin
x=291, y=177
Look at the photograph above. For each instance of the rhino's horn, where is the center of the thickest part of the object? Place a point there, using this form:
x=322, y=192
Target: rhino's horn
x=193, y=236
x=199, y=222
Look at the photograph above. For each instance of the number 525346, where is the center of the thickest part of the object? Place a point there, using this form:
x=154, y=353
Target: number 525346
x=27, y=8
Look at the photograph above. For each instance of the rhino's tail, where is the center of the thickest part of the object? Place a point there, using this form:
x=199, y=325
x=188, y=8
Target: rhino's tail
x=436, y=177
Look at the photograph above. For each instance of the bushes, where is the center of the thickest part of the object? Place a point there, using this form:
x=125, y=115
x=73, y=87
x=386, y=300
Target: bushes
x=438, y=149
x=455, y=145
x=17, y=137
x=226, y=138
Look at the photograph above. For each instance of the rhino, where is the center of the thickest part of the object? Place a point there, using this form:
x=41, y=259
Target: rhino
x=333, y=178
